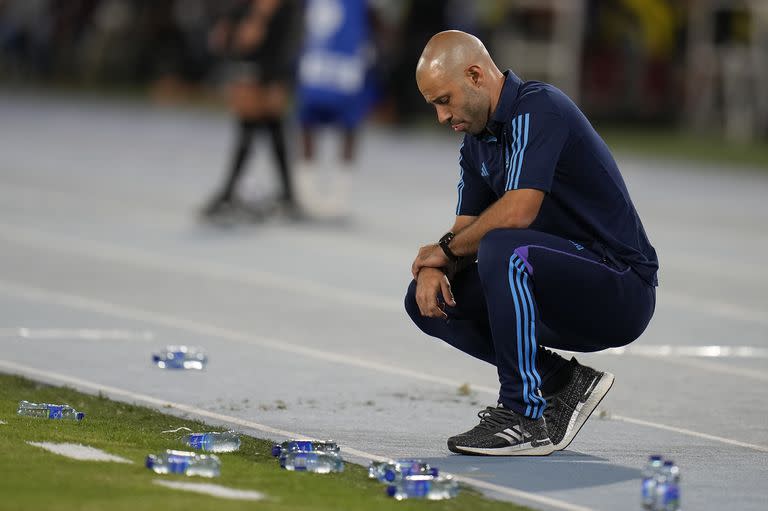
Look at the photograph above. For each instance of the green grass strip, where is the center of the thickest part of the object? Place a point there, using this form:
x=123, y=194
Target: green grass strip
x=667, y=143
x=33, y=478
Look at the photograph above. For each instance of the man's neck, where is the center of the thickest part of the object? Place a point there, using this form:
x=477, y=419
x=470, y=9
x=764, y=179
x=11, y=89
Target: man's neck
x=497, y=85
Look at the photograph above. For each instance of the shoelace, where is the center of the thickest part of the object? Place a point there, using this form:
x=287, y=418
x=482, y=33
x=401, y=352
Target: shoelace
x=493, y=417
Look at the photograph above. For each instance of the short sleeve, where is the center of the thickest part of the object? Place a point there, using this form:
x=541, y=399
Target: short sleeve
x=474, y=193
x=533, y=149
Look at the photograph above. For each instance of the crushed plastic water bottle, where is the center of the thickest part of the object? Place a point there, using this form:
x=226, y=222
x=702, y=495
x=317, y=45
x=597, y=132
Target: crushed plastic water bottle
x=214, y=441
x=49, y=411
x=183, y=462
x=312, y=461
x=667, y=488
x=423, y=486
x=304, y=446
x=648, y=488
x=394, y=470
x=180, y=357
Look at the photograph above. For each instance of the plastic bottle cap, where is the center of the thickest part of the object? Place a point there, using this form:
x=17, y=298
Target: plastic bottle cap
x=391, y=490
x=150, y=461
x=276, y=450
x=80, y=416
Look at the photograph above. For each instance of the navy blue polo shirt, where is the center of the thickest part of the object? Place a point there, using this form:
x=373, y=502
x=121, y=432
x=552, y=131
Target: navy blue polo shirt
x=538, y=138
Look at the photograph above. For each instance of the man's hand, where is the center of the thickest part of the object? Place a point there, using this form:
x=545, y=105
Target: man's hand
x=430, y=282
x=430, y=256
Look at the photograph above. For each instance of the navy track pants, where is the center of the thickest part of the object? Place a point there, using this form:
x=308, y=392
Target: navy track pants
x=531, y=290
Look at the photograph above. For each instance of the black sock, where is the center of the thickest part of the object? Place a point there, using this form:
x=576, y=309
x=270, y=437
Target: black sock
x=275, y=128
x=558, y=379
x=239, y=156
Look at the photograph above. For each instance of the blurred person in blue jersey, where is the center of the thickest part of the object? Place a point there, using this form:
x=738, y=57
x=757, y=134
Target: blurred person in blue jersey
x=256, y=40
x=546, y=251
x=335, y=88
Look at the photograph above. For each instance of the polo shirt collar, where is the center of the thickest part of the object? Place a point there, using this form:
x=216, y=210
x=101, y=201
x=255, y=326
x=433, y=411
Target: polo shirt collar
x=503, y=111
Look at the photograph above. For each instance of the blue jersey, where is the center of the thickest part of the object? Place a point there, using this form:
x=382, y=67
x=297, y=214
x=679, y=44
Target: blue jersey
x=334, y=61
x=538, y=138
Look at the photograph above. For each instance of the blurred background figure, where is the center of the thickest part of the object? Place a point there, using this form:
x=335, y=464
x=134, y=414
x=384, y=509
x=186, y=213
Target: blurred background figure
x=256, y=40
x=335, y=88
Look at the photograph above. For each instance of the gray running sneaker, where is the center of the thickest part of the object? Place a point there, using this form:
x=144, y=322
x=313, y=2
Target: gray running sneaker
x=502, y=432
x=569, y=409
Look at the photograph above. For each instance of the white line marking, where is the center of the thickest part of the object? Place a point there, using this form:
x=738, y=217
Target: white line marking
x=667, y=350
x=719, y=368
x=688, y=432
x=50, y=376
x=79, y=452
x=78, y=302
x=712, y=307
x=152, y=260
x=82, y=303
x=85, y=334
x=214, y=490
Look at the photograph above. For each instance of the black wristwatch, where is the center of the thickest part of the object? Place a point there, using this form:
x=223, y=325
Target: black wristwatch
x=444, y=243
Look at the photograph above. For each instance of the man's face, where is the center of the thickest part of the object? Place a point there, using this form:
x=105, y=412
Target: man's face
x=459, y=103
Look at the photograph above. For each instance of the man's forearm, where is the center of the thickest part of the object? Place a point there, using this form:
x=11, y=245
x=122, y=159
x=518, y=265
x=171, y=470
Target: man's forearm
x=502, y=214
x=467, y=240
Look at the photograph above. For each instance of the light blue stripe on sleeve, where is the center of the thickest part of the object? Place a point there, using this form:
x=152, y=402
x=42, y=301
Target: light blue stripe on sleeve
x=515, y=149
x=522, y=152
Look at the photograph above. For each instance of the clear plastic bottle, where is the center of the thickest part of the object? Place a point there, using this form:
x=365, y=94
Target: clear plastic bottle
x=317, y=461
x=304, y=446
x=214, y=441
x=424, y=487
x=393, y=470
x=49, y=411
x=180, y=357
x=648, y=489
x=668, y=488
x=184, y=462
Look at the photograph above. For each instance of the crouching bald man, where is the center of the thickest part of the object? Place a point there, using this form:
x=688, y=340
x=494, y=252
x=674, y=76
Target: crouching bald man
x=546, y=251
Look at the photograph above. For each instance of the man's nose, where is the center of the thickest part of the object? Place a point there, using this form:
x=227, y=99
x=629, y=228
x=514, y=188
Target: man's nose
x=443, y=115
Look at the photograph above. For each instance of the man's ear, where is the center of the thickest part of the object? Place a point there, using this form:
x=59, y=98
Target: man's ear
x=475, y=74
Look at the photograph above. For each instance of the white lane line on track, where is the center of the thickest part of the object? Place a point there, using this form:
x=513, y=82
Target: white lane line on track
x=78, y=302
x=711, y=307
x=50, y=376
x=145, y=316
x=688, y=432
x=151, y=260
x=83, y=334
x=714, y=367
x=668, y=350
x=154, y=261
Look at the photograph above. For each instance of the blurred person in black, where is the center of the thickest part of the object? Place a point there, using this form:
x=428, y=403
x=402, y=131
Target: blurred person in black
x=256, y=37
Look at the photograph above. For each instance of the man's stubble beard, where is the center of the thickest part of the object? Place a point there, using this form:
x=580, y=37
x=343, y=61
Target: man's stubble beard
x=476, y=109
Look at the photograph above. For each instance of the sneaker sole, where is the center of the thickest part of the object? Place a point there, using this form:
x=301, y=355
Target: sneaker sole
x=524, y=450
x=583, y=413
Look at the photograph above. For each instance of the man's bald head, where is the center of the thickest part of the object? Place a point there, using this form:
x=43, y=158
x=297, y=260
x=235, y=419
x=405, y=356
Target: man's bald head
x=449, y=53
x=457, y=75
